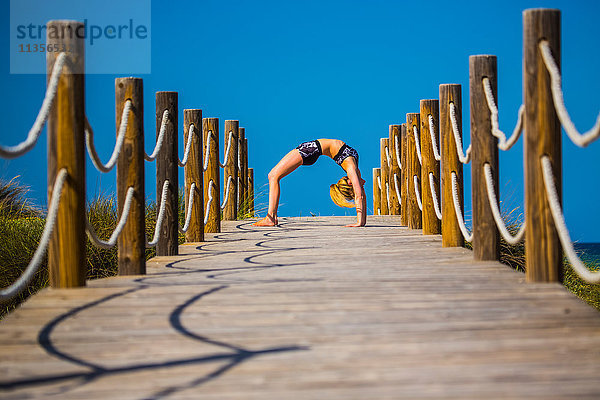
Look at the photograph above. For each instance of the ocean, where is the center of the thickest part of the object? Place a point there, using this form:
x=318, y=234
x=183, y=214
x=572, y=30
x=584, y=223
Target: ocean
x=589, y=252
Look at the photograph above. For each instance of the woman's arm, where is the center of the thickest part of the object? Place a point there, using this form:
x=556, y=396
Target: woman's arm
x=359, y=197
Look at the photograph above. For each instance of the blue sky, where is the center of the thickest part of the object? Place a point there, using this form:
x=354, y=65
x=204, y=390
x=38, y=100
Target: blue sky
x=294, y=71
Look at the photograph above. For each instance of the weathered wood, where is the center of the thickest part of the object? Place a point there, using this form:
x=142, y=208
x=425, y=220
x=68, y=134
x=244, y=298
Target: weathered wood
x=239, y=318
x=194, y=174
x=394, y=169
x=431, y=224
x=414, y=215
x=451, y=234
x=231, y=169
x=131, y=243
x=385, y=176
x=376, y=191
x=66, y=250
x=210, y=128
x=542, y=137
x=403, y=175
x=167, y=169
x=251, y=192
x=243, y=174
x=486, y=238
x=246, y=156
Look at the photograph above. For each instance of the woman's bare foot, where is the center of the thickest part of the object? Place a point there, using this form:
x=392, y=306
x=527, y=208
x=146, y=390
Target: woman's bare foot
x=266, y=221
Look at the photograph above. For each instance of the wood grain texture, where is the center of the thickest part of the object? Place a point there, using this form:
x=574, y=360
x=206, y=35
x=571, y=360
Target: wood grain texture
x=376, y=191
x=251, y=192
x=403, y=175
x=385, y=175
x=451, y=234
x=66, y=149
x=300, y=311
x=394, y=169
x=167, y=168
x=486, y=238
x=194, y=174
x=230, y=211
x=431, y=224
x=243, y=173
x=542, y=137
x=131, y=243
x=210, y=126
x=414, y=215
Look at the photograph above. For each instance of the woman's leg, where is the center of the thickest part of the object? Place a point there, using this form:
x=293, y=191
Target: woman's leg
x=286, y=165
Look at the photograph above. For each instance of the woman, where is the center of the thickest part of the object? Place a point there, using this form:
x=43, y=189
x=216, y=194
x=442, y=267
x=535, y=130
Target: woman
x=348, y=192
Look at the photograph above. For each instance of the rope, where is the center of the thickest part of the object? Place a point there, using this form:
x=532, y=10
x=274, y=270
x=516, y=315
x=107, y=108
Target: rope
x=579, y=139
x=112, y=241
x=21, y=283
x=387, y=193
x=229, y=180
x=396, y=187
x=388, y=158
x=161, y=215
x=417, y=193
x=379, y=182
x=160, y=139
x=464, y=158
x=459, y=215
x=89, y=140
x=378, y=211
x=397, y=151
x=188, y=146
x=35, y=131
x=436, y=151
x=188, y=217
x=207, y=152
x=436, y=205
x=417, y=144
x=211, y=186
x=489, y=181
x=503, y=144
x=223, y=165
x=561, y=226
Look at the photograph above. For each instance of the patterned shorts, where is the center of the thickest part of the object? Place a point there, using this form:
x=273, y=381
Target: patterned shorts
x=310, y=151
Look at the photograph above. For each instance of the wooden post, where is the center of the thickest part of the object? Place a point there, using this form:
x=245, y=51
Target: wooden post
x=251, y=191
x=431, y=224
x=231, y=169
x=542, y=137
x=130, y=173
x=451, y=234
x=246, y=156
x=194, y=174
x=486, y=239
x=385, y=176
x=243, y=174
x=167, y=169
x=66, y=251
x=394, y=170
x=415, y=217
x=376, y=191
x=403, y=176
x=212, y=173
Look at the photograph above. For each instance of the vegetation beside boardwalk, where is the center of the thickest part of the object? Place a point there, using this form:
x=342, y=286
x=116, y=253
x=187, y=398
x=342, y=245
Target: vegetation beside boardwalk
x=21, y=226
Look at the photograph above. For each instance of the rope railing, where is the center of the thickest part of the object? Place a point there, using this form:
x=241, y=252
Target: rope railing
x=387, y=194
x=581, y=140
x=160, y=217
x=89, y=141
x=397, y=187
x=397, y=152
x=229, y=181
x=417, y=144
x=503, y=143
x=457, y=210
x=160, y=139
x=561, y=226
x=20, y=284
x=489, y=181
x=436, y=205
x=188, y=146
x=112, y=241
x=207, y=151
x=188, y=217
x=417, y=192
x=379, y=182
x=463, y=157
x=229, y=141
x=211, y=188
x=388, y=157
x=432, y=135
x=36, y=130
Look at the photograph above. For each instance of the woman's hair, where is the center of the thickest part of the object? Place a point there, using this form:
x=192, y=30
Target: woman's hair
x=342, y=193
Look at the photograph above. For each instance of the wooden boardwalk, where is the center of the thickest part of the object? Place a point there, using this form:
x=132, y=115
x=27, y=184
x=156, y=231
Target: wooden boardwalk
x=308, y=310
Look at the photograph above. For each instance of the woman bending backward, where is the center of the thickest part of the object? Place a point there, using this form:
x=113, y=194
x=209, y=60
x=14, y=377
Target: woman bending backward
x=347, y=192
